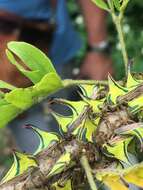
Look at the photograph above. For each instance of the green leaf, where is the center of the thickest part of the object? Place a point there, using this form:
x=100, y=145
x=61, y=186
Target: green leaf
x=32, y=75
x=117, y=4
x=50, y=83
x=21, y=98
x=5, y=85
x=26, y=97
x=40, y=71
x=38, y=63
x=8, y=112
x=124, y=4
x=101, y=4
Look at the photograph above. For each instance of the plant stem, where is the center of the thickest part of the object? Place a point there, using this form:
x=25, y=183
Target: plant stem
x=117, y=19
x=70, y=82
x=118, y=23
x=86, y=166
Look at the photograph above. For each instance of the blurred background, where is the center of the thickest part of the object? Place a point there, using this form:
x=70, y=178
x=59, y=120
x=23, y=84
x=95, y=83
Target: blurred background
x=133, y=30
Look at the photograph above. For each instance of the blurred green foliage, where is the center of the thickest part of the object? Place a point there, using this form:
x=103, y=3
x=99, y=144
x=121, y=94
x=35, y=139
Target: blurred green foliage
x=133, y=30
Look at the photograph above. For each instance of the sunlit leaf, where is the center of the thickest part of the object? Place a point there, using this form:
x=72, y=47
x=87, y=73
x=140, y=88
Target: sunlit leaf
x=32, y=57
x=26, y=97
x=20, y=97
x=32, y=75
x=39, y=69
x=101, y=4
x=5, y=85
x=124, y=4
x=50, y=83
x=8, y=112
x=117, y=4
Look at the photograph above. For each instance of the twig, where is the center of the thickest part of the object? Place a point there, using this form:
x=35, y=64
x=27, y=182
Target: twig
x=70, y=82
x=118, y=24
x=117, y=19
x=86, y=166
